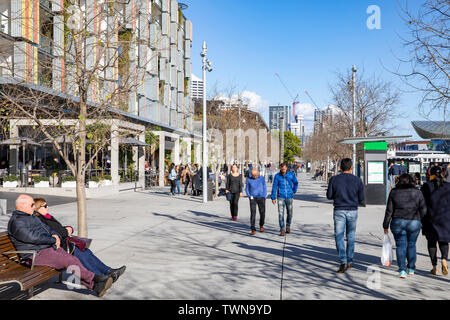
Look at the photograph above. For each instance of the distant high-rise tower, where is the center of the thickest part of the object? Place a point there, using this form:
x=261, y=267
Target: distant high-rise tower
x=275, y=112
x=197, y=87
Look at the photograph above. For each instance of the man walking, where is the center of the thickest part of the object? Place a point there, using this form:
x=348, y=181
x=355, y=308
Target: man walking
x=347, y=191
x=256, y=190
x=284, y=187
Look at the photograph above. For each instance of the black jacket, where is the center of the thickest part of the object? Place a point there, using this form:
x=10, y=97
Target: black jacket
x=404, y=203
x=436, y=223
x=58, y=227
x=28, y=232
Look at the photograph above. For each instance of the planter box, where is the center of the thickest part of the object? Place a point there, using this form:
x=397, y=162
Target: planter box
x=10, y=184
x=69, y=184
x=42, y=184
x=93, y=184
x=104, y=183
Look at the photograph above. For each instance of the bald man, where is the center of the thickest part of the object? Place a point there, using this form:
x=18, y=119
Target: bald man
x=256, y=190
x=28, y=232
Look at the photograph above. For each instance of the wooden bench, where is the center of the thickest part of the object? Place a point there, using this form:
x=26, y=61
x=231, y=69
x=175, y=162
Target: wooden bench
x=12, y=271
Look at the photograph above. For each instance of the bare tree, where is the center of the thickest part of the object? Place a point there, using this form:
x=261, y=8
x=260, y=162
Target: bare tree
x=376, y=101
x=429, y=48
x=93, y=77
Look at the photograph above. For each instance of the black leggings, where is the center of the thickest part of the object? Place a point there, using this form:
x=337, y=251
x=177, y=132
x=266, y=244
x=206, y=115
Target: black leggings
x=432, y=250
x=186, y=185
x=234, y=204
x=173, y=186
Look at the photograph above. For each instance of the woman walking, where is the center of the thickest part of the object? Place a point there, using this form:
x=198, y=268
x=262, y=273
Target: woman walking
x=186, y=178
x=405, y=209
x=234, y=187
x=178, y=179
x=172, y=177
x=436, y=223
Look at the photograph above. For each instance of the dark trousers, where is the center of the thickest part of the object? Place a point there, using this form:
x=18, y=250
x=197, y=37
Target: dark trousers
x=91, y=262
x=234, y=204
x=60, y=259
x=432, y=249
x=173, y=186
x=261, y=203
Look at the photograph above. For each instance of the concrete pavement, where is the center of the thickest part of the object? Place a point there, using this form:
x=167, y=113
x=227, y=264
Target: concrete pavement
x=180, y=248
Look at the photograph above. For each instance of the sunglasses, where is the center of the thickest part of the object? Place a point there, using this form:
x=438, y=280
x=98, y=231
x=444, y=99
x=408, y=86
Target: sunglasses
x=45, y=206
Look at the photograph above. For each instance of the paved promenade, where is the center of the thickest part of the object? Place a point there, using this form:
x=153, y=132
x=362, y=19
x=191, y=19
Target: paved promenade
x=180, y=248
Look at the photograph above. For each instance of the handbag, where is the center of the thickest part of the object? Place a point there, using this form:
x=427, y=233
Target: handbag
x=229, y=196
x=80, y=243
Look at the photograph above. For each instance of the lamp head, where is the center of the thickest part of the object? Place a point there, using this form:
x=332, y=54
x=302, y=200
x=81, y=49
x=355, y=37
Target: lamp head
x=204, y=50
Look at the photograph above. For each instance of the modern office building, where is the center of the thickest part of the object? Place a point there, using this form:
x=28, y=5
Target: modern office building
x=196, y=87
x=275, y=113
x=33, y=37
x=297, y=127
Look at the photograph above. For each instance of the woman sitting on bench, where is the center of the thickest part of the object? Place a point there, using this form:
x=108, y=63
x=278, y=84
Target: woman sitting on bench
x=86, y=256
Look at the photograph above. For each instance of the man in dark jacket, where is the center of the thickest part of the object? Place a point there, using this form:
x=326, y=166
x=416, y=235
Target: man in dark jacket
x=347, y=191
x=28, y=232
x=396, y=171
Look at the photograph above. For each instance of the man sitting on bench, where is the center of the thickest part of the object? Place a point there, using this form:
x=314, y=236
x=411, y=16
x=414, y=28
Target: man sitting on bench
x=28, y=232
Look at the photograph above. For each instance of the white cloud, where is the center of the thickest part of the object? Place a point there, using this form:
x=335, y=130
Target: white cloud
x=255, y=102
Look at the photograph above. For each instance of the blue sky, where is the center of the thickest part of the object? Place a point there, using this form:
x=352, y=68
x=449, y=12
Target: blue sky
x=306, y=42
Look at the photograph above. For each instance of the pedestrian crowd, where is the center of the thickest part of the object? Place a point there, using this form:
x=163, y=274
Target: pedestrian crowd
x=409, y=210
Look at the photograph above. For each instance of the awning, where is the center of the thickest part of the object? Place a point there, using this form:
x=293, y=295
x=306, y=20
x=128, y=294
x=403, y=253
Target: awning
x=357, y=140
x=132, y=142
x=432, y=129
x=18, y=141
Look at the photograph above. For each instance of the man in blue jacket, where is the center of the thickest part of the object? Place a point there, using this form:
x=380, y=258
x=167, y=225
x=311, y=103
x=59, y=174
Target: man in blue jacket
x=256, y=190
x=284, y=187
x=347, y=191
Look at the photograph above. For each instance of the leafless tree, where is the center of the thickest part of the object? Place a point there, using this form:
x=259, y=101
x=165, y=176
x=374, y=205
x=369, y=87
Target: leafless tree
x=89, y=86
x=429, y=47
x=376, y=102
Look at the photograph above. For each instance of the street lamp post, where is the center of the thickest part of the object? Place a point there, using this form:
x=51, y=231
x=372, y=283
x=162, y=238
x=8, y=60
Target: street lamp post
x=353, y=116
x=206, y=66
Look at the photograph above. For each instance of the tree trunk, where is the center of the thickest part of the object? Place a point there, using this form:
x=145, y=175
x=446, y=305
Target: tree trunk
x=81, y=205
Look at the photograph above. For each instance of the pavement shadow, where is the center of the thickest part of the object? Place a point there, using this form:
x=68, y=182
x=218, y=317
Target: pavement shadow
x=311, y=198
x=314, y=262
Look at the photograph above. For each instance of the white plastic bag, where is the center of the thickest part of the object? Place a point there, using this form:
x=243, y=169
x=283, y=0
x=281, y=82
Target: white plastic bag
x=386, y=251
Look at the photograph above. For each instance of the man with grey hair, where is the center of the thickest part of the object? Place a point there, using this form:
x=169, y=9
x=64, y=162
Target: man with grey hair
x=256, y=190
x=29, y=233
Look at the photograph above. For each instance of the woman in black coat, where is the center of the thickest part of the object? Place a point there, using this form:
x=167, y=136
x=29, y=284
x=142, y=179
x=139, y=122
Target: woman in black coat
x=405, y=208
x=436, y=224
x=86, y=256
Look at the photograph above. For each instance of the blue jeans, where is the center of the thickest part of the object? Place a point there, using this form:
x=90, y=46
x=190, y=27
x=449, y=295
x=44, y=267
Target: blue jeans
x=282, y=203
x=345, y=222
x=91, y=262
x=177, y=182
x=405, y=235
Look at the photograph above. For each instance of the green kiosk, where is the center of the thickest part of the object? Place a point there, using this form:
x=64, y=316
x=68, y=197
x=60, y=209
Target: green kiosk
x=372, y=167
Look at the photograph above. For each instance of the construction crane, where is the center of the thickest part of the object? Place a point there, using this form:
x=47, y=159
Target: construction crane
x=317, y=107
x=294, y=100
